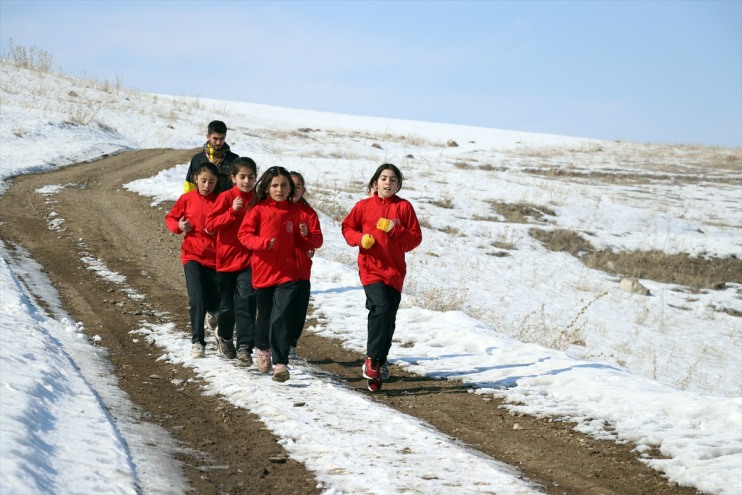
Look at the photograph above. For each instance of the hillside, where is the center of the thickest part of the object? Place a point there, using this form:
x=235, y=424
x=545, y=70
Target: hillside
x=526, y=239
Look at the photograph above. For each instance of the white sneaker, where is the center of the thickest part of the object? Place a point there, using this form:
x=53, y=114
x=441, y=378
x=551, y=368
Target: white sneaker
x=197, y=350
x=212, y=323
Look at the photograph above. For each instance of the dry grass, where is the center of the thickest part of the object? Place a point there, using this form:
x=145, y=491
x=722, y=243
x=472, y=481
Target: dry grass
x=538, y=328
x=33, y=58
x=522, y=212
x=443, y=203
x=632, y=163
x=680, y=269
x=624, y=177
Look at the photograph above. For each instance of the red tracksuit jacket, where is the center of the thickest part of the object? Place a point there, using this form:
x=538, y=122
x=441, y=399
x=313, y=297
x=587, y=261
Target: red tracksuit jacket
x=269, y=219
x=315, y=239
x=385, y=261
x=231, y=254
x=197, y=244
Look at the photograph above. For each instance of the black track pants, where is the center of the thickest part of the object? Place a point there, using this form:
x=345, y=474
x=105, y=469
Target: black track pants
x=272, y=326
x=237, y=307
x=382, y=303
x=203, y=296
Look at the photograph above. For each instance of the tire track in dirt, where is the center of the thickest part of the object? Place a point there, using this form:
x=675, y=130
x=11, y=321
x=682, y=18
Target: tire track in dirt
x=228, y=450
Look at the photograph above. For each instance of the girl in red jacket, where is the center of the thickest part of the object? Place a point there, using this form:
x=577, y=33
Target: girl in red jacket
x=309, y=228
x=385, y=227
x=233, y=271
x=198, y=251
x=271, y=231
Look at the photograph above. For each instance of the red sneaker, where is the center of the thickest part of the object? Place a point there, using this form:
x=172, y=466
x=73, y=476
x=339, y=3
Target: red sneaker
x=372, y=374
x=373, y=385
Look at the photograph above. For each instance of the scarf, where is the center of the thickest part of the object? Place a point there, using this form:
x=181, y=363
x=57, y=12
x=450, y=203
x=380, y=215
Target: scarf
x=215, y=156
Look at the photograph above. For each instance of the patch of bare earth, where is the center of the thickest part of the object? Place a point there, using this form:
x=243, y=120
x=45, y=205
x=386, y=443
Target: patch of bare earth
x=229, y=450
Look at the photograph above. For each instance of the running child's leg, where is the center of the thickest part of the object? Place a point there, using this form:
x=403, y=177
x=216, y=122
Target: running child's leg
x=244, y=300
x=227, y=283
x=394, y=297
x=284, y=297
x=381, y=314
x=196, y=300
x=264, y=302
x=299, y=312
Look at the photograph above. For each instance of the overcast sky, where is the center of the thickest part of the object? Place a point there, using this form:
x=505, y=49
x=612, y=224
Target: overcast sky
x=654, y=71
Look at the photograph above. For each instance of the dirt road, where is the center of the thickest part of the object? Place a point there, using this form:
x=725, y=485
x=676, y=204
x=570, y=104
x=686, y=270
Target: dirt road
x=122, y=229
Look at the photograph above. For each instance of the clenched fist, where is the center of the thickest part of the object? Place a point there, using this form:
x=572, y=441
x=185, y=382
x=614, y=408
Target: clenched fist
x=367, y=241
x=385, y=224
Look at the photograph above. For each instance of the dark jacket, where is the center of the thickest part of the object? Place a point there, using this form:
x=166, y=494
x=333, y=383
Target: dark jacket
x=225, y=170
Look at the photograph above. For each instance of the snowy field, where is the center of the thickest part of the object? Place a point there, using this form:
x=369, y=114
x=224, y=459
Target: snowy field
x=484, y=303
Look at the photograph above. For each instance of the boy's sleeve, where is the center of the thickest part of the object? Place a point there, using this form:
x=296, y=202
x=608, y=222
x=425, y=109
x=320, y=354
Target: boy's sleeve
x=188, y=185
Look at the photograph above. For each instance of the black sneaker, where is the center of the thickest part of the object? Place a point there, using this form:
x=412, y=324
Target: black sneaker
x=226, y=348
x=385, y=374
x=243, y=354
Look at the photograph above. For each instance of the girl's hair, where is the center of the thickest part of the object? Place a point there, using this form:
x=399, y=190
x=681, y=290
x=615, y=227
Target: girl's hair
x=385, y=166
x=206, y=166
x=243, y=161
x=264, y=183
x=303, y=184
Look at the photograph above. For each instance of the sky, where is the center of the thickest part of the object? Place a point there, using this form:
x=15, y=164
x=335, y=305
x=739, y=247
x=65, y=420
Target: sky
x=677, y=354
x=653, y=71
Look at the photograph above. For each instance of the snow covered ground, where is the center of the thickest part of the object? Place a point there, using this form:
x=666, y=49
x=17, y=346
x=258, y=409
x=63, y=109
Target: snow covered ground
x=469, y=306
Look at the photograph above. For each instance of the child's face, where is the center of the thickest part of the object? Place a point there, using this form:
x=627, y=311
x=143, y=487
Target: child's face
x=298, y=188
x=387, y=184
x=206, y=182
x=245, y=179
x=279, y=188
x=216, y=140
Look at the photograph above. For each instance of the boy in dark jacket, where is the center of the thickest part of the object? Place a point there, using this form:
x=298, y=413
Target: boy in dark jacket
x=215, y=151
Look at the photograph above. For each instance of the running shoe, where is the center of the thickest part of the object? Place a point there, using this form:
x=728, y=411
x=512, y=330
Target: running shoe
x=281, y=373
x=243, y=354
x=385, y=374
x=372, y=373
x=226, y=348
x=264, y=360
x=197, y=350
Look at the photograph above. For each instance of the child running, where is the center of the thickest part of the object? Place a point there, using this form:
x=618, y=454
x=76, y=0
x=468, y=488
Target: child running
x=198, y=251
x=233, y=271
x=310, y=229
x=385, y=227
x=271, y=231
